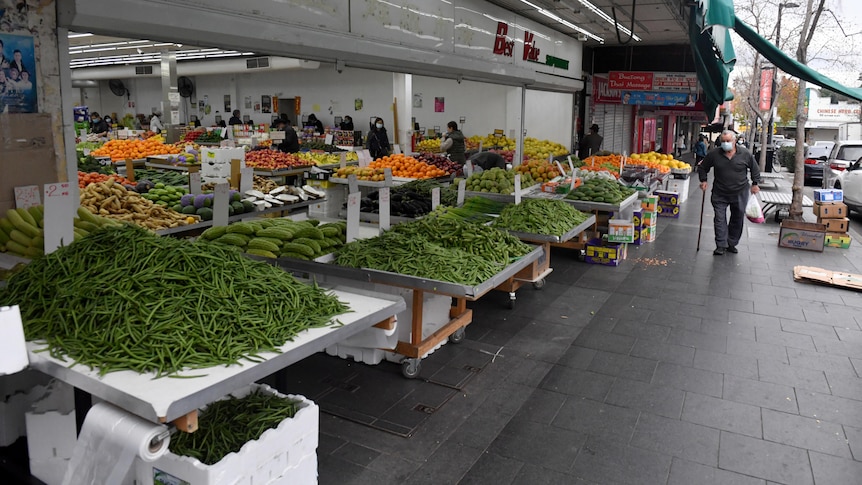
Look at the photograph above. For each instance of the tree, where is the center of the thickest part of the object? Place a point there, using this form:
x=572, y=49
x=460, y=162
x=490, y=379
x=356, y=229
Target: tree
x=787, y=93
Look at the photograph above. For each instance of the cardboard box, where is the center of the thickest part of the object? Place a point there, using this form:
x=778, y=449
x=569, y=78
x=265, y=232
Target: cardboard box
x=837, y=240
x=802, y=235
x=835, y=225
x=648, y=234
x=638, y=218
x=668, y=210
x=621, y=231
x=650, y=218
x=830, y=210
x=679, y=186
x=828, y=195
x=649, y=203
x=27, y=145
x=638, y=237
x=604, y=253
x=667, y=197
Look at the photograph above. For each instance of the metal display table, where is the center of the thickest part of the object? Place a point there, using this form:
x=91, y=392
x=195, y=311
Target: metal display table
x=166, y=399
x=622, y=208
x=459, y=315
x=780, y=201
x=288, y=172
x=199, y=227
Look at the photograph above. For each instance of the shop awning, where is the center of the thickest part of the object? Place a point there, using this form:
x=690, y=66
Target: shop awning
x=709, y=30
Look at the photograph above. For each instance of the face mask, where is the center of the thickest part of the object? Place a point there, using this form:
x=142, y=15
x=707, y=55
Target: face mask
x=727, y=146
x=379, y=125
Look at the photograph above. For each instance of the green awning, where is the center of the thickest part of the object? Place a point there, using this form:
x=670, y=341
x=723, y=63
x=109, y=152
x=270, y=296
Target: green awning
x=710, y=22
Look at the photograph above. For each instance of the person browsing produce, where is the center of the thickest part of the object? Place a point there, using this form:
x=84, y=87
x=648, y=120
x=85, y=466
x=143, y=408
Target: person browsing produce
x=156, y=124
x=592, y=143
x=290, y=144
x=730, y=188
x=486, y=161
x=377, y=142
x=453, y=143
x=235, y=119
x=99, y=125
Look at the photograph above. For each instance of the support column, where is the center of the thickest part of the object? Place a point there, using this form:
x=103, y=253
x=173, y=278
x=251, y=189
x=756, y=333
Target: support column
x=68, y=122
x=170, y=97
x=402, y=94
x=515, y=121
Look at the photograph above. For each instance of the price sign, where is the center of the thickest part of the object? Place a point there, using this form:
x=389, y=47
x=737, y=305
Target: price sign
x=27, y=196
x=352, y=184
x=14, y=356
x=480, y=145
x=560, y=168
x=60, y=207
x=384, y=199
x=328, y=139
x=223, y=132
x=468, y=168
x=435, y=197
x=353, y=216
x=130, y=170
x=462, y=186
x=387, y=177
x=86, y=152
x=195, y=182
x=517, y=188
x=221, y=196
x=342, y=159
x=246, y=179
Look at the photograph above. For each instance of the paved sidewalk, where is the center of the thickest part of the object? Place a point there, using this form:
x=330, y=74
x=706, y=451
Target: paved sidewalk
x=678, y=367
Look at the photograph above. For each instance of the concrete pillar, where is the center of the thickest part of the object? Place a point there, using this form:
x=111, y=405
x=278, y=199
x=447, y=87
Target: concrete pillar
x=402, y=94
x=170, y=97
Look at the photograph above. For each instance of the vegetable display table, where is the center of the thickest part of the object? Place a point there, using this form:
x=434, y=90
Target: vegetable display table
x=170, y=399
x=459, y=315
x=780, y=201
x=193, y=229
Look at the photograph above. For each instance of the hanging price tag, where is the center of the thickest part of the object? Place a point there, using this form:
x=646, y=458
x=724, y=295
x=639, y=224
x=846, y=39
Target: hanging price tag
x=86, y=152
x=221, y=196
x=246, y=179
x=462, y=186
x=384, y=200
x=195, y=183
x=60, y=207
x=353, y=200
x=435, y=197
x=517, y=189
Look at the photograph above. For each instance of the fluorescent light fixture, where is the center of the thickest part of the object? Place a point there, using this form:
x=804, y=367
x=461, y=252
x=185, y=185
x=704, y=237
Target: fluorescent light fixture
x=608, y=19
x=565, y=22
x=75, y=36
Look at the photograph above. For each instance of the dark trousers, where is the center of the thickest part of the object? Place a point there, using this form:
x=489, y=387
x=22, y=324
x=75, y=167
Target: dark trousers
x=729, y=233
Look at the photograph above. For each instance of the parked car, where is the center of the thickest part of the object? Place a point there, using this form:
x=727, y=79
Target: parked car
x=814, y=167
x=843, y=154
x=820, y=149
x=850, y=181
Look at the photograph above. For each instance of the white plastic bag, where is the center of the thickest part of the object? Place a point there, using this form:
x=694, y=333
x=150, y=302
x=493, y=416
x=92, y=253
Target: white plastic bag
x=753, y=211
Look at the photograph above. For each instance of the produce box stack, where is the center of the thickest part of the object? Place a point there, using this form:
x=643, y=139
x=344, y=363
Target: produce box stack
x=668, y=203
x=605, y=253
x=649, y=218
x=832, y=213
x=679, y=184
x=638, y=223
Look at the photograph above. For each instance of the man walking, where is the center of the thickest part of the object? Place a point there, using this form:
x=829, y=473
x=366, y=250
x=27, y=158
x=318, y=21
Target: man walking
x=699, y=151
x=730, y=188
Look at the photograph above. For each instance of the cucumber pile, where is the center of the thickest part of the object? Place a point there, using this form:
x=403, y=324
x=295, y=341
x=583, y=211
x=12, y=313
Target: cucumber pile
x=601, y=190
x=21, y=231
x=284, y=238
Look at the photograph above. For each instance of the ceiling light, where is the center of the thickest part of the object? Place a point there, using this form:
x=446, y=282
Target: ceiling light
x=562, y=21
x=608, y=19
x=75, y=36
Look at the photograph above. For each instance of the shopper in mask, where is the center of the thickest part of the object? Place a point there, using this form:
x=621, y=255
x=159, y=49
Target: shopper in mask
x=733, y=164
x=98, y=124
x=347, y=124
x=156, y=124
x=316, y=123
x=290, y=144
x=453, y=143
x=377, y=142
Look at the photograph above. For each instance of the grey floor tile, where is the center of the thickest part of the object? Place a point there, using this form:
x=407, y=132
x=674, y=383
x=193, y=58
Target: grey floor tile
x=746, y=455
x=854, y=439
x=327, y=443
x=623, y=366
x=727, y=328
x=832, y=469
x=809, y=328
x=826, y=318
x=857, y=366
x=848, y=335
x=479, y=430
x=836, y=364
x=671, y=317
x=758, y=393
x=801, y=432
x=542, y=406
x=532, y=475
x=492, y=468
x=651, y=398
x=722, y=414
x=698, y=340
x=758, y=350
x=529, y=442
x=335, y=470
x=577, y=357
x=596, y=418
x=663, y=352
x=577, y=382
x=684, y=472
x=833, y=347
x=787, y=339
x=446, y=465
x=610, y=461
x=688, y=379
x=845, y=386
x=755, y=319
x=830, y=408
x=677, y=438
x=357, y=454
x=798, y=377
x=726, y=364
x=395, y=467
x=642, y=330
x=608, y=342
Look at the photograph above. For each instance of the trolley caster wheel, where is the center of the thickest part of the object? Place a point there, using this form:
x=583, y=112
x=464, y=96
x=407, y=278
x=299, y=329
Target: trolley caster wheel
x=410, y=368
x=458, y=336
x=511, y=304
x=539, y=284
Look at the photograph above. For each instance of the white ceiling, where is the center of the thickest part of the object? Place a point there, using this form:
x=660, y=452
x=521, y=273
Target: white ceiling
x=99, y=50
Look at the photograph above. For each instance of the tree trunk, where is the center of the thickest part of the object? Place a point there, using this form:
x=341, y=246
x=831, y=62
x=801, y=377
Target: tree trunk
x=799, y=176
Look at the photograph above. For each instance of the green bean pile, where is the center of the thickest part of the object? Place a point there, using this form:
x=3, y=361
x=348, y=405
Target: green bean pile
x=226, y=425
x=540, y=216
x=125, y=299
x=417, y=256
x=483, y=241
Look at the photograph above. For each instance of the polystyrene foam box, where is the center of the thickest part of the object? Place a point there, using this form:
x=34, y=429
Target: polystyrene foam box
x=50, y=421
x=366, y=355
x=51, y=470
x=17, y=392
x=283, y=454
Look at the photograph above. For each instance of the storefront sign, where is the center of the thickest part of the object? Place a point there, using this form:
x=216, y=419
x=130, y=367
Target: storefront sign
x=765, y=96
x=653, y=81
x=697, y=116
x=502, y=45
x=603, y=94
x=649, y=98
x=557, y=62
x=531, y=52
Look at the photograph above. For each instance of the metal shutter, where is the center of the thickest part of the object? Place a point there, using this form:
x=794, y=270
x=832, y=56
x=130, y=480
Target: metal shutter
x=615, y=125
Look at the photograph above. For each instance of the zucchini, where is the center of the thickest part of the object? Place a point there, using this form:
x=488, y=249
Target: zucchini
x=261, y=252
x=240, y=228
x=22, y=223
x=295, y=256
x=20, y=238
x=276, y=232
x=309, y=232
x=298, y=248
x=214, y=232
x=235, y=239
x=260, y=243
x=308, y=242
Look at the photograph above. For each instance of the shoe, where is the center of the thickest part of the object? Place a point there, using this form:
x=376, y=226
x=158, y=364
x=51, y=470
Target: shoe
x=719, y=251
x=732, y=249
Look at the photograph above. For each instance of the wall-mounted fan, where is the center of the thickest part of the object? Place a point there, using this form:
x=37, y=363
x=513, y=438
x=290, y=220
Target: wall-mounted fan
x=117, y=87
x=185, y=86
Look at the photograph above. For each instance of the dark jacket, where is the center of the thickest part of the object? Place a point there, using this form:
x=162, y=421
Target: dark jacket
x=378, y=143
x=290, y=144
x=100, y=126
x=347, y=125
x=234, y=120
x=488, y=160
x=731, y=175
x=700, y=148
x=458, y=148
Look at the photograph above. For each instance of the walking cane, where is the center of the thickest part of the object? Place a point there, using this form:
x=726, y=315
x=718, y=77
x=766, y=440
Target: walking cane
x=700, y=227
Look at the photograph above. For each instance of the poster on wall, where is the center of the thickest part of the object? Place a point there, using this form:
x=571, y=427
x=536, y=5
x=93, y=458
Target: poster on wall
x=17, y=74
x=227, y=103
x=417, y=100
x=247, y=102
x=439, y=104
x=257, y=107
x=265, y=104
x=357, y=104
x=201, y=105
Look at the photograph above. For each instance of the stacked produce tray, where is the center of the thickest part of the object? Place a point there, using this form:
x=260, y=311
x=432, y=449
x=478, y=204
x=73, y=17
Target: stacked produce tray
x=167, y=399
x=543, y=238
x=585, y=205
x=194, y=228
x=283, y=173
